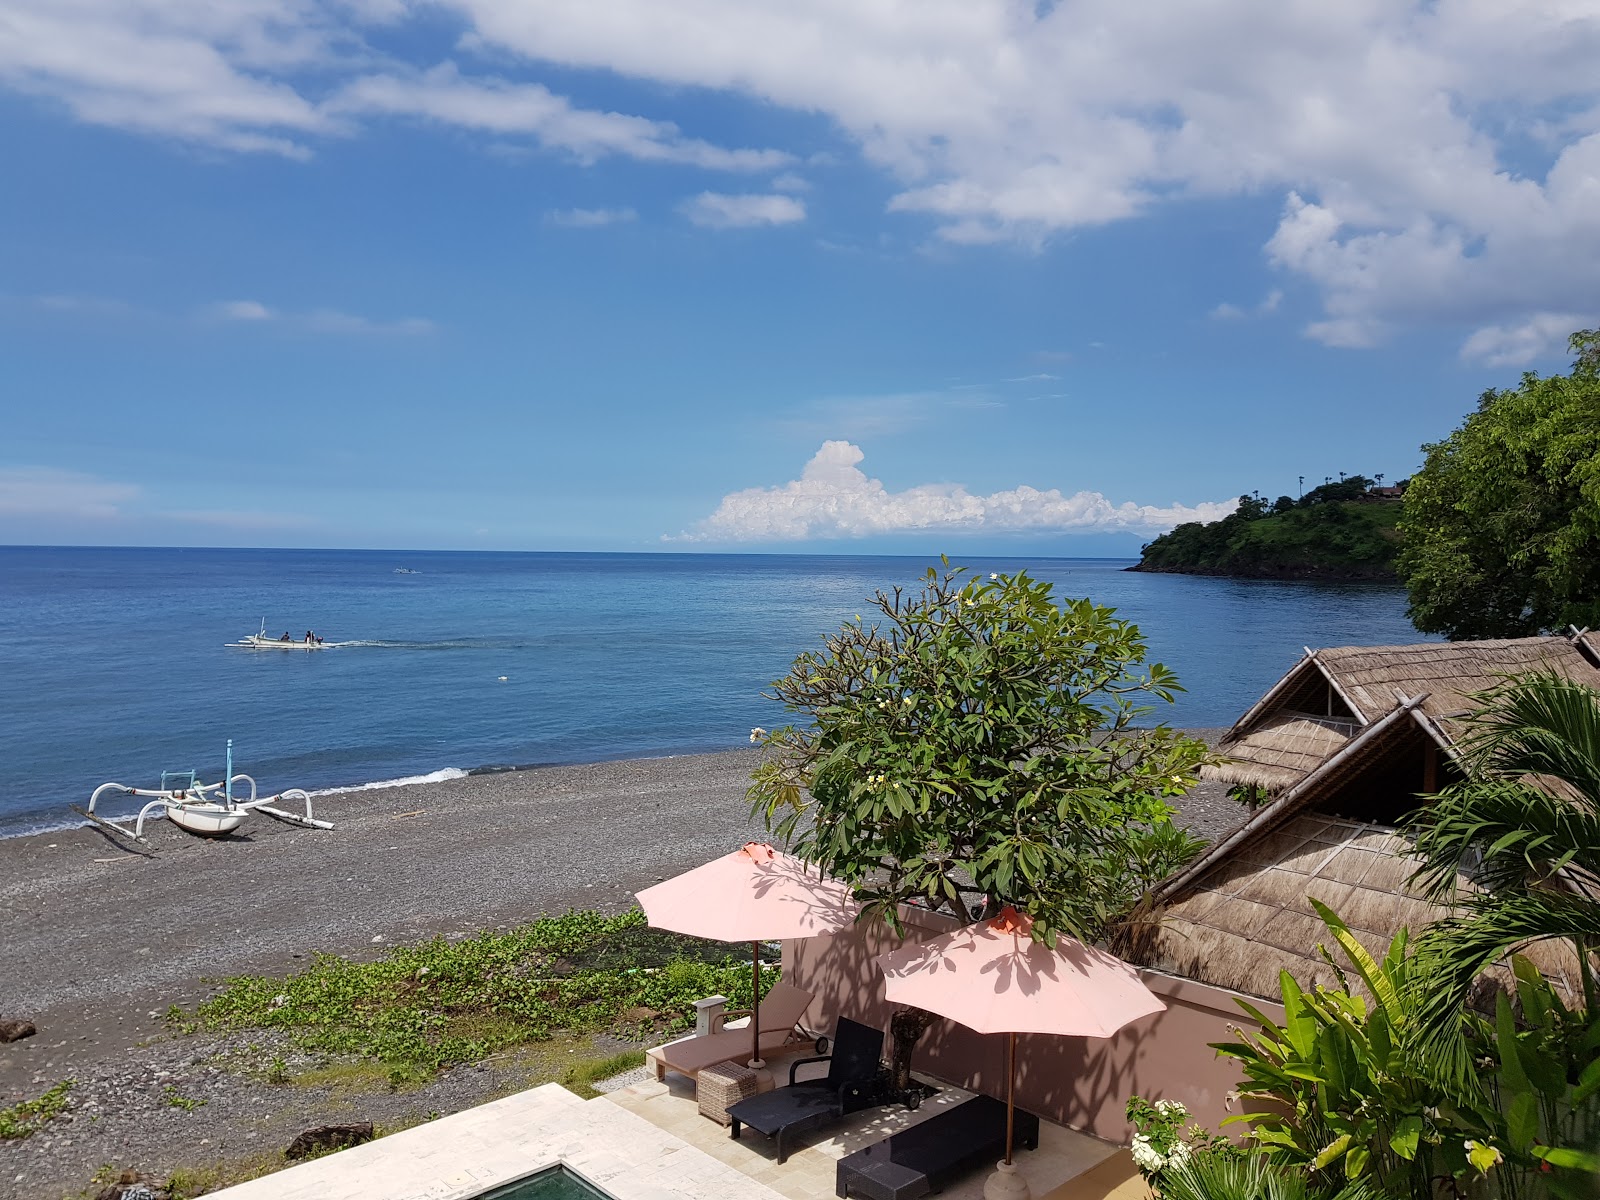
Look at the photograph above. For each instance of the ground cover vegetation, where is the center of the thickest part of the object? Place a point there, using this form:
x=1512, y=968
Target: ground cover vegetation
x=26, y=1117
x=422, y=1008
x=1501, y=526
x=1339, y=530
x=1412, y=1077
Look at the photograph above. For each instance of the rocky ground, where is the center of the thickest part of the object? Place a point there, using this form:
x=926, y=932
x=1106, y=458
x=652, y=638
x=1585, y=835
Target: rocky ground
x=96, y=943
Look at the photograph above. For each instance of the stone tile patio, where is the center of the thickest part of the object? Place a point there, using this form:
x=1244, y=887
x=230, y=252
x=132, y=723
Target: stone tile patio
x=461, y=1156
x=1063, y=1154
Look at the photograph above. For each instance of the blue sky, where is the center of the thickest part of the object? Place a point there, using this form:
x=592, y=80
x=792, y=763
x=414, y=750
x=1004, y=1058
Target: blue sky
x=618, y=274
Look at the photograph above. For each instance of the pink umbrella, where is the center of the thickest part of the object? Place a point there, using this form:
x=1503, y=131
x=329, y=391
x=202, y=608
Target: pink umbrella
x=994, y=978
x=755, y=894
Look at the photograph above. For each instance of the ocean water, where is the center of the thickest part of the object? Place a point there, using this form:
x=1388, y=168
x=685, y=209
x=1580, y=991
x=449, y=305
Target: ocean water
x=113, y=663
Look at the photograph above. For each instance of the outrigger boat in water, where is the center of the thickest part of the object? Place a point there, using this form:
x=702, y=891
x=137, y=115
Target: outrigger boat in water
x=260, y=641
x=197, y=807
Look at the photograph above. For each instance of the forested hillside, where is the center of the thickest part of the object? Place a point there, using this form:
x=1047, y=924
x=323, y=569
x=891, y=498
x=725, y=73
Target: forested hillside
x=1340, y=531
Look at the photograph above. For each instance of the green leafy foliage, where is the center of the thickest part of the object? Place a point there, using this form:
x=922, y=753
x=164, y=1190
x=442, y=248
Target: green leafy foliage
x=1350, y=1085
x=24, y=1119
x=979, y=742
x=1323, y=538
x=1254, y=1177
x=1502, y=524
x=1534, y=850
x=424, y=1007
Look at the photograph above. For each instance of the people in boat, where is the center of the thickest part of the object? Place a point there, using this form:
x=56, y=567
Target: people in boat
x=311, y=637
x=286, y=637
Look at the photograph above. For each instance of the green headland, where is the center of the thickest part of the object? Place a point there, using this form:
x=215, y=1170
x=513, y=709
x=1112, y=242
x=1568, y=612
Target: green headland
x=1343, y=530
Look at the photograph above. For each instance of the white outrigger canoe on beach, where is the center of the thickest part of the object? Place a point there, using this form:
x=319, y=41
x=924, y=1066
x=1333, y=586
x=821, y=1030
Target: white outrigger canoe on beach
x=206, y=809
x=260, y=641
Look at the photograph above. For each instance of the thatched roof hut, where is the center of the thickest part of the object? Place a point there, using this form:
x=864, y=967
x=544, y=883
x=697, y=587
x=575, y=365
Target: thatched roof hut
x=1344, y=744
x=1331, y=696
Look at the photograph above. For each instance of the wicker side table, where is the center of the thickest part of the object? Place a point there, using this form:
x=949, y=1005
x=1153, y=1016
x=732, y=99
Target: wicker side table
x=722, y=1085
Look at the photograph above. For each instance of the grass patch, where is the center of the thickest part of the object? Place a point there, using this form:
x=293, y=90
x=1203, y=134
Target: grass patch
x=22, y=1120
x=580, y=1078
x=422, y=1008
x=351, y=1076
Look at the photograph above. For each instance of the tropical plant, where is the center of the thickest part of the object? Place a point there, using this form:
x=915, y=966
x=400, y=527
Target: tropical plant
x=1501, y=527
x=1352, y=1084
x=1253, y=1177
x=1525, y=825
x=979, y=745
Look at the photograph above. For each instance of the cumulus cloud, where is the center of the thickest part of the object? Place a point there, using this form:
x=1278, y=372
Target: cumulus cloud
x=1517, y=345
x=322, y=320
x=52, y=492
x=717, y=210
x=834, y=498
x=590, y=218
x=1437, y=161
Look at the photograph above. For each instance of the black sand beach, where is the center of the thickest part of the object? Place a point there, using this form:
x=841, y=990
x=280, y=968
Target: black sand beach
x=97, y=942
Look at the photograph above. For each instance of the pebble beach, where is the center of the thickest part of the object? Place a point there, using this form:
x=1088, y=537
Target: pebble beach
x=99, y=938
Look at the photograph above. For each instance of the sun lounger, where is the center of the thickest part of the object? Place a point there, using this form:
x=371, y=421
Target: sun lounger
x=852, y=1083
x=934, y=1152
x=781, y=1010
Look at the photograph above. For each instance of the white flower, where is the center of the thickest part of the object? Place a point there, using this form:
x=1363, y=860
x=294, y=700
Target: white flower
x=1171, y=1108
x=757, y=734
x=1178, y=1155
x=993, y=575
x=1145, y=1156
x=910, y=700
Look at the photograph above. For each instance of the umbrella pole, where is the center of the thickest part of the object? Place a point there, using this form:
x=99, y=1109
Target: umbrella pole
x=1011, y=1090
x=755, y=1005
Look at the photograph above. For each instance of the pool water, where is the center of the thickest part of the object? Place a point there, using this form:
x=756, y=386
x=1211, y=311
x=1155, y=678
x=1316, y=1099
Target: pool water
x=553, y=1183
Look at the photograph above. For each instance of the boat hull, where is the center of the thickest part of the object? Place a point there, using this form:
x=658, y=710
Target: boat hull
x=207, y=820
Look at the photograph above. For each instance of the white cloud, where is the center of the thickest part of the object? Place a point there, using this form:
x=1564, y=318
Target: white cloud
x=52, y=492
x=790, y=182
x=1518, y=345
x=717, y=210
x=244, y=310
x=240, y=519
x=1232, y=312
x=502, y=107
x=1438, y=160
x=834, y=498
x=590, y=218
x=322, y=320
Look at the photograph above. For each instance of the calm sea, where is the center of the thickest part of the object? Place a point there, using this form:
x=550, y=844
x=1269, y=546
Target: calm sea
x=113, y=664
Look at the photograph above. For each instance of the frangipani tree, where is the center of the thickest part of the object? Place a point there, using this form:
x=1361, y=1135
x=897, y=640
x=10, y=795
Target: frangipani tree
x=976, y=744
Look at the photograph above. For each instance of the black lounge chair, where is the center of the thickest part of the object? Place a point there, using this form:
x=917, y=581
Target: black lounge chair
x=933, y=1153
x=854, y=1082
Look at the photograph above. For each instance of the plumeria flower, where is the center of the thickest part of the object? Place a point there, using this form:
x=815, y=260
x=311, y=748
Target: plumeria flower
x=757, y=734
x=993, y=575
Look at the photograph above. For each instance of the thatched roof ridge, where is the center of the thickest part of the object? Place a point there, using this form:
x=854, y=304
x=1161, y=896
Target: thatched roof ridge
x=1372, y=677
x=1398, y=723
x=1282, y=750
x=1280, y=740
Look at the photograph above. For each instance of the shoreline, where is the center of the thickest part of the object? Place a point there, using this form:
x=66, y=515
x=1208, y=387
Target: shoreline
x=18, y=825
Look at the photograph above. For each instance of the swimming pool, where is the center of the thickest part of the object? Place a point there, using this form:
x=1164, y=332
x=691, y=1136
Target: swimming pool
x=553, y=1183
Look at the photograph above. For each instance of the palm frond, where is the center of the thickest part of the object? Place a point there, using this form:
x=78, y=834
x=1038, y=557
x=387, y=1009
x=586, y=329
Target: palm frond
x=1539, y=724
x=1451, y=954
x=1505, y=835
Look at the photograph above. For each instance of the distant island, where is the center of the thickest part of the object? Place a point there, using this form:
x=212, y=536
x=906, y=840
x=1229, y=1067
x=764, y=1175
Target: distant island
x=1341, y=531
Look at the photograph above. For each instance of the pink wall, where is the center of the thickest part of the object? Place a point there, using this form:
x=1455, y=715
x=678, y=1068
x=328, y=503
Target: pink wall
x=1080, y=1082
